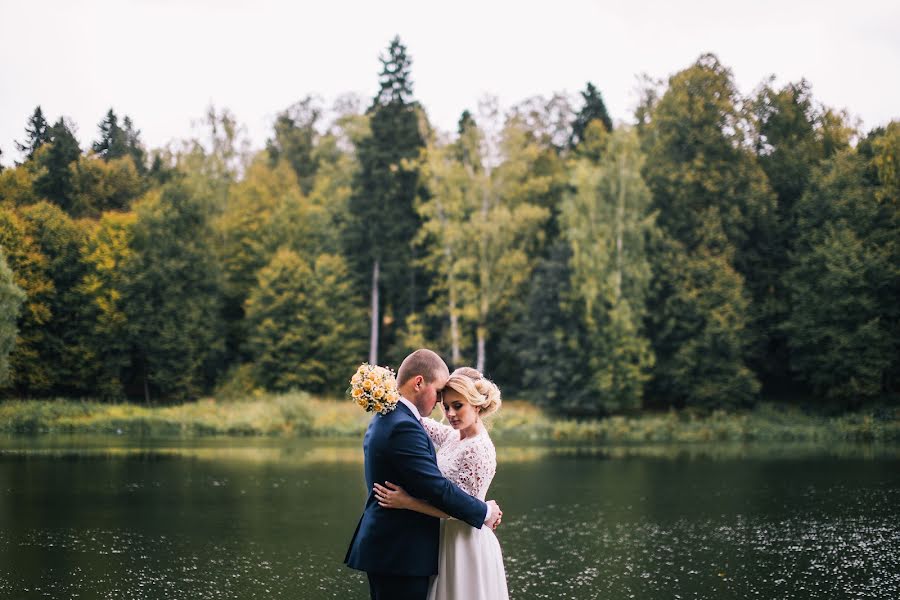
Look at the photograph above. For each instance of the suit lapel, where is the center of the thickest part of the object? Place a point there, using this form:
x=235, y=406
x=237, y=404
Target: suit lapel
x=418, y=420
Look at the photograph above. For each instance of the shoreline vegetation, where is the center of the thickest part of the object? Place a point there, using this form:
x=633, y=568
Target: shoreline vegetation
x=299, y=414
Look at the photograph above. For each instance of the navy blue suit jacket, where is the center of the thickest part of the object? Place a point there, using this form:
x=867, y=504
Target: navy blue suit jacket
x=393, y=541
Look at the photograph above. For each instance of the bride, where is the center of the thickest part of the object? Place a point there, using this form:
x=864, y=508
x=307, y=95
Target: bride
x=470, y=562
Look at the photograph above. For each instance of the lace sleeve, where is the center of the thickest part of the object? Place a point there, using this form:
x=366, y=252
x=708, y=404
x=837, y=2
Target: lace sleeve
x=476, y=467
x=438, y=432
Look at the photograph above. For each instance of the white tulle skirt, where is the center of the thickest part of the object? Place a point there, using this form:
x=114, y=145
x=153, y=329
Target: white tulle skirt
x=470, y=566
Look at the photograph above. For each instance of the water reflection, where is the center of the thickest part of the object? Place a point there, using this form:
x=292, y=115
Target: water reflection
x=328, y=451
x=101, y=517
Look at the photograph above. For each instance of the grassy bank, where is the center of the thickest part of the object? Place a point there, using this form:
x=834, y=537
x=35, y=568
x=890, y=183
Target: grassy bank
x=299, y=414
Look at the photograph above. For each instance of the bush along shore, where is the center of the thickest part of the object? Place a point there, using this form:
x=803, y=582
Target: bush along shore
x=301, y=415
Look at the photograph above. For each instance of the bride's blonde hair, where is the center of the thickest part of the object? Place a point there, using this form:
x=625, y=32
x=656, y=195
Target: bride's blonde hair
x=478, y=391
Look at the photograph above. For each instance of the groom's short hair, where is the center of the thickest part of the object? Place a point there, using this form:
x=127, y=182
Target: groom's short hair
x=422, y=362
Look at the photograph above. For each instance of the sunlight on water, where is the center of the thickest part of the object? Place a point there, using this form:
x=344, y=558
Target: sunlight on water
x=744, y=558
x=242, y=519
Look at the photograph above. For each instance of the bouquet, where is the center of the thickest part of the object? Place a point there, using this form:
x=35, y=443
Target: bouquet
x=374, y=388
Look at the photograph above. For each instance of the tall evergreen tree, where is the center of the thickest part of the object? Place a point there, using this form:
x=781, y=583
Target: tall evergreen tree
x=37, y=134
x=55, y=182
x=383, y=220
x=133, y=145
x=594, y=109
x=113, y=142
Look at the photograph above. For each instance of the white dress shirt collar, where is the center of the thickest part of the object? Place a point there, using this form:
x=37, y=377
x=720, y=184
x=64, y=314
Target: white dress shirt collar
x=412, y=407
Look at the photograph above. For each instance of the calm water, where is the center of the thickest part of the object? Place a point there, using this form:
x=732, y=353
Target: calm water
x=119, y=518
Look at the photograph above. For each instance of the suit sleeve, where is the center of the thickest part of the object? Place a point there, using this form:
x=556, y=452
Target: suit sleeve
x=421, y=478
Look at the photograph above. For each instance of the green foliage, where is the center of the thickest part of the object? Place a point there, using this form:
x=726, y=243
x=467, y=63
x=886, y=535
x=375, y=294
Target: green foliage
x=305, y=330
x=172, y=294
x=104, y=185
x=845, y=279
x=17, y=187
x=61, y=347
x=593, y=109
x=43, y=248
x=54, y=181
x=113, y=142
x=715, y=205
x=29, y=267
x=548, y=343
x=381, y=221
x=756, y=245
x=606, y=221
x=697, y=325
x=11, y=299
x=295, y=141
x=107, y=250
x=37, y=133
x=793, y=137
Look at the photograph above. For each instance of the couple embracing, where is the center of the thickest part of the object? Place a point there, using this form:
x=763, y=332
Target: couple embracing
x=427, y=531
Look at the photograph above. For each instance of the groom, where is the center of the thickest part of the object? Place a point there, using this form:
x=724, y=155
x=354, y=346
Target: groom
x=398, y=549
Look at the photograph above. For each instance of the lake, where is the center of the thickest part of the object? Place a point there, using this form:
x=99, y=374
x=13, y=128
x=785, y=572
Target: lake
x=132, y=518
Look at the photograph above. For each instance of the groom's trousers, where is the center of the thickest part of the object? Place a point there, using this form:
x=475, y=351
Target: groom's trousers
x=397, y=587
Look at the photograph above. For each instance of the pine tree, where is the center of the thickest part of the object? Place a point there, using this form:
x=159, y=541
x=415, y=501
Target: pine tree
x=133, y=146
x=55, y=183
x=37, y=134
x=113, y=141
x=594, y=109
x=383, y=221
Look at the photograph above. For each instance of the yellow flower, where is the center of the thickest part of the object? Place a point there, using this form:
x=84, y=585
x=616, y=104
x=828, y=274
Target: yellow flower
x=393, y=396
x=368, y=385
x=362, y=402
x=378, y=393
x=378, y=407
x=362, y=369
x=356, y=393
x=356, y=379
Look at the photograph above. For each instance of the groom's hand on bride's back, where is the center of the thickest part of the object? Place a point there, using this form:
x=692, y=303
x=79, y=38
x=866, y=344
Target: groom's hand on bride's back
x=493, y=518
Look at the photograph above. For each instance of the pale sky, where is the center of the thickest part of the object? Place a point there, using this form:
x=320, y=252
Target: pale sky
x=162, y=62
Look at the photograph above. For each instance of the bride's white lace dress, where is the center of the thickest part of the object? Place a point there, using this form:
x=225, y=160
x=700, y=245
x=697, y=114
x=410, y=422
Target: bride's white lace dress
x=470, y=565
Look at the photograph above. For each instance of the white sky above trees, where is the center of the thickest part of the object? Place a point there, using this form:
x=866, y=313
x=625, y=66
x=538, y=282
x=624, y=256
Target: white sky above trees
x=162, y=62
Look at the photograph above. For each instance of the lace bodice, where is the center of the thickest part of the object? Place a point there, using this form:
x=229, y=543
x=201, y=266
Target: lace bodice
x=470, y=463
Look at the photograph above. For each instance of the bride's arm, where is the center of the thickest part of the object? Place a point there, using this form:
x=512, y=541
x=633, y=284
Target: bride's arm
x=394, y=496
x=438, y=432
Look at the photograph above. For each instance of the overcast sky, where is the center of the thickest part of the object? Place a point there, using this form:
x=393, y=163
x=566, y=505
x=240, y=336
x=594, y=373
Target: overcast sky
x=163, y=61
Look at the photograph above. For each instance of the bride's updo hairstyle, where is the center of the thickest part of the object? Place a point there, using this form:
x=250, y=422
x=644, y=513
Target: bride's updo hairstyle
x=481, y=393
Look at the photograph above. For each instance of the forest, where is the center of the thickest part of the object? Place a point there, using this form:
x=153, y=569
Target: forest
x=716, y=251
